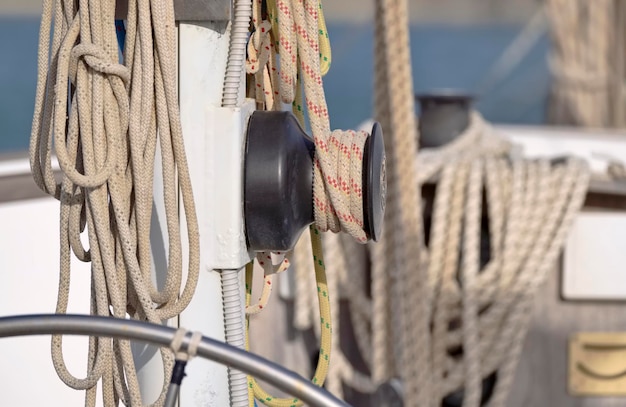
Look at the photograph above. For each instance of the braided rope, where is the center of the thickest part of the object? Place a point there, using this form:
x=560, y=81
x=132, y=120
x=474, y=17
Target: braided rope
x=302, y=42
x=326, y=330
x=423, y=284
x=338, y=154
x=264, y=259
x=105, y=141
x=337, y=191
x=485, y=309
x=410, y=288
x=261, y=60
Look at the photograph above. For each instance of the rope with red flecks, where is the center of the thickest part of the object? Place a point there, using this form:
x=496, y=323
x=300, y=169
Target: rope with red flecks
x=337, y=190
x=338, y=195
x=261, y=60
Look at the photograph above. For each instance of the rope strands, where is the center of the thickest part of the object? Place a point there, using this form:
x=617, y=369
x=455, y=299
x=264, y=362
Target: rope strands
x=478, y=310
x=404, y=246
x=437, y=317
x=105, y=121
x=325, y=326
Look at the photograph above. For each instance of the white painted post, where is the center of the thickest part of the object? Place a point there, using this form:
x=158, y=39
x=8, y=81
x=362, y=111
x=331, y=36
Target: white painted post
x=203, y=51
x=214, y=141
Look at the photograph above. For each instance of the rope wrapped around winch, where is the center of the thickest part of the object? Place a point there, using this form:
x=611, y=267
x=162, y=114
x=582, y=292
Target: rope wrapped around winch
x=480, y=308
x=300, y=38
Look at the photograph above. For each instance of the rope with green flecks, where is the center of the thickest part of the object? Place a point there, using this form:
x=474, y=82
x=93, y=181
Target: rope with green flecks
x=325, y=325
x=269, y=92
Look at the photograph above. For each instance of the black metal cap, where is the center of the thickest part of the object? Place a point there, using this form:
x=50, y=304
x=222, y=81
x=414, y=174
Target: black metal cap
x=390, y=394
x=278, y=185
x=444, y=115
x=374, y=183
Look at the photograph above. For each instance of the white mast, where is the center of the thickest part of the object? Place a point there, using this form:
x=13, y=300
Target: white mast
x=202, y=56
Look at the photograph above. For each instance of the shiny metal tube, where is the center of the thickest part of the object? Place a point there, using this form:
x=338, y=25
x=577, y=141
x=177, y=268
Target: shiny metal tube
x=254, y=365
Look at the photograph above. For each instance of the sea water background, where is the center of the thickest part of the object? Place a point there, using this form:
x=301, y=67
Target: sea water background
x=444, y=56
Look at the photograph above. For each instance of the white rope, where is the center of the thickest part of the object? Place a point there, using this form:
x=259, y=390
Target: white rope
x=530, y=203
x=484, y=310
x=106, y=120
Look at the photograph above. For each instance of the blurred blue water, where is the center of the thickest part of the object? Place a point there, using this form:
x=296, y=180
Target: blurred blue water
x=443, y=56
x=18, y=72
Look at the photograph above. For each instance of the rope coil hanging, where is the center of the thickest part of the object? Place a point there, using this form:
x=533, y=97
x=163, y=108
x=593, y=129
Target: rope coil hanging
x=485, y=308
x=106, y=139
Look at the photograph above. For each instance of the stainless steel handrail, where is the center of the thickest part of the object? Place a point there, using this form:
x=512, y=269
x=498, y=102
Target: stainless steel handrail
x=272, y=373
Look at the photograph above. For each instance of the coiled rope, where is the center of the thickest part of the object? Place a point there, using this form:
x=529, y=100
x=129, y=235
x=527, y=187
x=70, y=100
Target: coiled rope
x=107, y=120
x=485, y=310
x=480, y=308
x=301, y=35
x=338, y=154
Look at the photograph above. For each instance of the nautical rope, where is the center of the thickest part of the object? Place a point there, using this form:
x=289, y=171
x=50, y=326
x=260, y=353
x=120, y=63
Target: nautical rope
x=482, y=309
x=325, y=324
x=409, y=246
x=264, y=259
x=485, y=309
x=304, y=58
x=337, y=191
x=105, y=139
x=402, y=265
x=261, y=61
x=299, y=30
x=339, y=154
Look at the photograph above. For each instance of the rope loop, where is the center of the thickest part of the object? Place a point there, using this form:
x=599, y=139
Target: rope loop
x=272, y=263
x=259, y=47
x=105, y=120
x=478, y=140
x=97, y=59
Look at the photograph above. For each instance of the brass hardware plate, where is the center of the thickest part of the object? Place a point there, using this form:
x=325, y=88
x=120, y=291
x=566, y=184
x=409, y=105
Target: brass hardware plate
x=597, y=364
